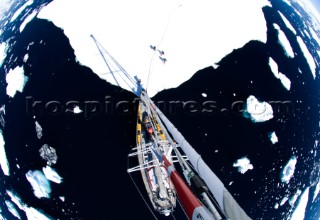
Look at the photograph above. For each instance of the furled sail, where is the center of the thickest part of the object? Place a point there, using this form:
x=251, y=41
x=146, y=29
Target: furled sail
x=228, y=204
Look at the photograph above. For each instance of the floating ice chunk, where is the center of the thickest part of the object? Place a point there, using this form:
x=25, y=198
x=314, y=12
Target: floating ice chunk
x=316, y=191
x=285, y=81
x=306, y=33
x=287, y=23
x=16, y=81
x=314, y=35
x=19, y=11
x=3, y=53
x=204, y=95
x=293, y=199
x=285, y=43
x=288, y=171
x=273, y=137
x=15, y=199
x=257, y=111
x=51, y=174
x=3, y=158
x=12, y=209
x=31, y=212
x=27, y=20
x=299, y=212
x=35, y=214
x=77, y=110
x=283, y=201
x=243, y=165
x=2, y=113
x=49, y=154
x=274, y=68
x=276, y=206
x=308, y=56
x=62, y=198
x=26, y=57
x=40, y=184
x=38, y=130
x=287, y=2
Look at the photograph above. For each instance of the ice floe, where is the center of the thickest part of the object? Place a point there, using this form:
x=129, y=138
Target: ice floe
x=40, y=184
x=288, y=170
x=243, y=165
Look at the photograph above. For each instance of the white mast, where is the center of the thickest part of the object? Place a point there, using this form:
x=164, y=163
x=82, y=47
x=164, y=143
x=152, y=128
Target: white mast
x=225, y=200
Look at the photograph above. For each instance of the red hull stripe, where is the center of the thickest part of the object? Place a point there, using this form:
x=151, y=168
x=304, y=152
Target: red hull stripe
x=188, y=200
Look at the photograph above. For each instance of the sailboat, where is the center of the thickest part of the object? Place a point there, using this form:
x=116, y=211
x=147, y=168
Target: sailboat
x=201, y=193
x=151, y=142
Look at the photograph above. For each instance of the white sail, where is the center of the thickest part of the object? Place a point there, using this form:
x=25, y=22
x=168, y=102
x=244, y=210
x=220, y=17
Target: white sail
x=225, y=200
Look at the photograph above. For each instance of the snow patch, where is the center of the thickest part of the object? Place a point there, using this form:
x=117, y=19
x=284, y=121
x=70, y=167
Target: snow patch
x=308, y=56
x=273, y=137
x=284, y=80
x=257, y=111
x=243, y=165
x=288, y=170
x=51, y=174
x=3, y=157
x=16, y=81
x=40, y=184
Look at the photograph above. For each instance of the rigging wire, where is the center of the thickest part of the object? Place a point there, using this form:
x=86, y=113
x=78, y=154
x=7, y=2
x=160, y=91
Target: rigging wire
x=164, y=33
x=104, y=59
x=103, y=51
x=155, y=217
x=182, y=208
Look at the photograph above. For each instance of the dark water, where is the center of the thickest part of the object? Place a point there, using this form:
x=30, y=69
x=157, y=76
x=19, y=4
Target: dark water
x=92, y=149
